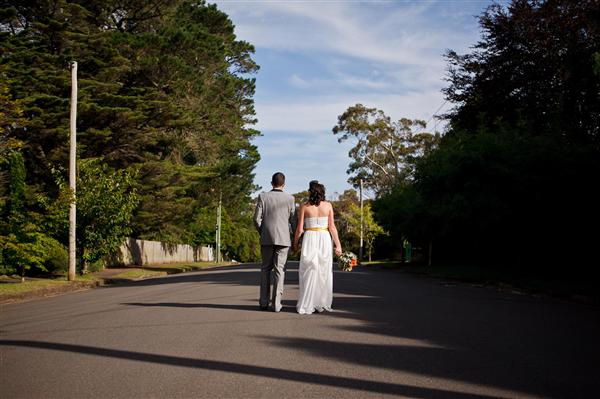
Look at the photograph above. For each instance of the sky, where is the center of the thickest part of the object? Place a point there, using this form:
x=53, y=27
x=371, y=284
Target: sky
x=317, y=58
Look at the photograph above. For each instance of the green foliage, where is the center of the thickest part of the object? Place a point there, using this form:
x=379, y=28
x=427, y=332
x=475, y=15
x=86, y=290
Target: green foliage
x=301, y=197
x=31, y=250
x=23, y=246
x=164, y=86
x=15, y=206
x=57, y=257
x=512, y=179
x=22, y=250
x=239, y=239
x=105, y=202
x=371, y=229
x=596, y=64
x=385, y=151
x=11, y=111
x=532, y=70
x=203, y=227
x=341, y=208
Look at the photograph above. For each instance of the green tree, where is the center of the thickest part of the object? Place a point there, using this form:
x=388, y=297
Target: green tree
x=371, y=229
x=23, y=246
x=511, y=178
x=105, y=202
x=345, y=228
x=533, y=69
x=239, y=240
x=385, y=151
x=301, y=197
x=164, y=86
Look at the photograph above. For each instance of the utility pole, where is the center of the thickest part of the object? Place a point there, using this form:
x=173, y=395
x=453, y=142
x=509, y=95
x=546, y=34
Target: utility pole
x=218, y=233
x=73, y=172
x=360, y=249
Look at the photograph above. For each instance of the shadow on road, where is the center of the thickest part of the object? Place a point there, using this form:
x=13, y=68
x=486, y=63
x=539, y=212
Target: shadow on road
x=196, y=305
x=246, y=275
x=312, y=378
x=468, y=334
x=455, y=333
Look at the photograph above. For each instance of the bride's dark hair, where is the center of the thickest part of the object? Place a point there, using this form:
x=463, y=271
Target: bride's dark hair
x=316, y=193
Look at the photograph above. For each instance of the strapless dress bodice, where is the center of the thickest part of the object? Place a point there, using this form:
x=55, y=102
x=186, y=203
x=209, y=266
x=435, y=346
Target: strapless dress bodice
x=315, y=222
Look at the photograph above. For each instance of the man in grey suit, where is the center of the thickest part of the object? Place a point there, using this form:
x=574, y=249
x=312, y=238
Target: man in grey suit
x=273, y=218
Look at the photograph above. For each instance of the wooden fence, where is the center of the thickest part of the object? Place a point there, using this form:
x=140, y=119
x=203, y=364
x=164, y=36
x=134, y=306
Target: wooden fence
x=144, y=252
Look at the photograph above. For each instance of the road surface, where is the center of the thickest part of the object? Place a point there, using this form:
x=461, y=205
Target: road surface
x=391, y=335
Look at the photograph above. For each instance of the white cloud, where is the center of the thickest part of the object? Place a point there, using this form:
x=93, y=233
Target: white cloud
x=304, y=156
x=391, y=51
x=388, y=32
x=338, y=81
x=360, y=82
x=325, y=56
x=297, y=81
x=311, y=114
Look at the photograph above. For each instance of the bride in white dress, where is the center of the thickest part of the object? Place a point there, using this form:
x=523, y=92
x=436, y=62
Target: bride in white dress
x=316, y=222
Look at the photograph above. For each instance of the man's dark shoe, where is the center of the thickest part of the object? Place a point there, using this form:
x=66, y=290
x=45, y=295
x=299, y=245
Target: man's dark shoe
x=264, y=308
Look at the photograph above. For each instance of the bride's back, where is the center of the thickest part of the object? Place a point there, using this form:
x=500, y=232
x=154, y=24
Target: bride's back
x=314, y=211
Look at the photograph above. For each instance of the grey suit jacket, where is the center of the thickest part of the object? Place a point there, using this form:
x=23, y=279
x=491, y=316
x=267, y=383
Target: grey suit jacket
x=274, y=217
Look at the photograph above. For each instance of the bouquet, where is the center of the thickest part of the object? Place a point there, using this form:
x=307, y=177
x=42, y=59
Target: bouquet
x=346, y=261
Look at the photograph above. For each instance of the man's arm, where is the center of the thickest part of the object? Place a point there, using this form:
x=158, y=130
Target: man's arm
x=258, y=214
x=299, y=228
x=293, y=219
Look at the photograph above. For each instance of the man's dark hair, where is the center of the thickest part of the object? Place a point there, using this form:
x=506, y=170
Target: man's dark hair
x=278, y=179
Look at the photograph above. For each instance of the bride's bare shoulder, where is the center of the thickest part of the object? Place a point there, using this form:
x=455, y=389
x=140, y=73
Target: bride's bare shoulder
x=304, y=206
x=327, y=205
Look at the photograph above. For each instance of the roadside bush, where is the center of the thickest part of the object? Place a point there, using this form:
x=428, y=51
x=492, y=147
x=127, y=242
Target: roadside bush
x=57, y=257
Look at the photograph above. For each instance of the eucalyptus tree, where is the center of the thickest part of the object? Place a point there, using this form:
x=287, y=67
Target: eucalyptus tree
x=385, y=151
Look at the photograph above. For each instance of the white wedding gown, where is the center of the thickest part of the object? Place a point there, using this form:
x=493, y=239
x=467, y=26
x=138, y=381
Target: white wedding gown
x=316, y=268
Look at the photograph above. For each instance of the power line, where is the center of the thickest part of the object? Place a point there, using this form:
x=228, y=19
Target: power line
x=436, y=111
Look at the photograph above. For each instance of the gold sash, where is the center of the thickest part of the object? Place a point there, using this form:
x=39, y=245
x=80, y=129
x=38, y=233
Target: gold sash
x=317, y=229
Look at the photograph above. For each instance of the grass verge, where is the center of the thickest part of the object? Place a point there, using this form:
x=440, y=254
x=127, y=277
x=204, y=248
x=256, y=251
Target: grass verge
x=9, y=286
x=170, y=268
x=12, y=290
x=138, y=273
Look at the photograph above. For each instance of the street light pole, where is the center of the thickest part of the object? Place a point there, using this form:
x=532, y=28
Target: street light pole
x=360, y=249
x=72, y=172
x=218, y=233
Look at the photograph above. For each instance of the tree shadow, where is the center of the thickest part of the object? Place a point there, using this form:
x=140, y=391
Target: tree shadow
x=253, y=308
x=463, y=333
x=244, y=275
x=470, y=334
x=244, y=369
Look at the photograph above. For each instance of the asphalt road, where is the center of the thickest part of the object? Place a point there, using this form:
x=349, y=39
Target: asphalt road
x=391, y=334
